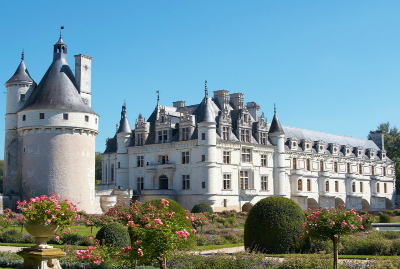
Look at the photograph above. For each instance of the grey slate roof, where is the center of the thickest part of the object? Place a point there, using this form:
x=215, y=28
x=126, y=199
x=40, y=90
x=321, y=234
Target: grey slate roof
x=57, y=90
x=21, y=75
x=111, y=145
x=275, y=127
x=124, y=126
x=206, y=111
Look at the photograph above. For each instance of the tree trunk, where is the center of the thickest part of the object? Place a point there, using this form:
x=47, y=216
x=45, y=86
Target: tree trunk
x=163, y=262
x=335, y=251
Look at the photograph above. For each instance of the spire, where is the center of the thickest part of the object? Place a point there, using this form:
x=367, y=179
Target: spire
x=124, y=126
x=205, y=89
x=276, y=127
x=204, y=111
x=21, y=75
x=60, y=49
x=158, y=98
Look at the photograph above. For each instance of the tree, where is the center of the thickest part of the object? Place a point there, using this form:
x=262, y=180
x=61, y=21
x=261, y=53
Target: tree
x=1, y=175
x=330, y=223
x=97, y=167
x=392, y=146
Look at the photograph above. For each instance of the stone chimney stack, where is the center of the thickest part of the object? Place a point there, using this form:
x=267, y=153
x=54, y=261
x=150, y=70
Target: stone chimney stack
x=379, y=139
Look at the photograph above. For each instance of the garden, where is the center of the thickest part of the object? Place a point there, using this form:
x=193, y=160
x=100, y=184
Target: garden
x=161, y=234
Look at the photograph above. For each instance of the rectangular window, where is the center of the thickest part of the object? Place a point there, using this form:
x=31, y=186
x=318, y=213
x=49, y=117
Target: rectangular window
x=335, y=169
x=140, y=139
x=119, y=165
x=263, y=138
x=348, y=168
x=225, y=133
x=372, y=170
x=294, y=163
x=327, y=185
x=353, y=187
x=361, y=187
x=87, y=118
x=384, y=188
x=185, y=157
x=160, y=140
x=299, y=185
x=225, y=202
x=22, y=97
x=227, y=157
x=377, y=187
x=65, y=116
x=246, y=155
x=203, y=158
x=336, y=186
x=227, y=182
x=203, y=136
x=321, y=165
x=140, y=161
x=203, y=185
x=360, y=171
x=95, y=120
x=264, y=183
x=41, y=116
x=185, y=134
x=308, y=164
x=163, y=159
x=23, y=117
x=244, y=180
x=185, y=182
x=263, y=160
x=140, y=183
x=165, y=136
x=384, y=171
x=308, y=184
x=245, y=135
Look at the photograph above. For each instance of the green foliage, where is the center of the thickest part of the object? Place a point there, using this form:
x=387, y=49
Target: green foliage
x=202, y=208
x=1, y=175
x=367, y=220
x=363, y=213
x=115, y=234
x=98, y=168
x=385, y=218
x=13, y=236
x=273, y=225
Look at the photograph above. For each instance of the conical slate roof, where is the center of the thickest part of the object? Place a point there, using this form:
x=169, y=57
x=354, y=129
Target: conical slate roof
x=276, y=127
x=124, y=126
x=21, y=75
x=57, y=90
x=205, y=110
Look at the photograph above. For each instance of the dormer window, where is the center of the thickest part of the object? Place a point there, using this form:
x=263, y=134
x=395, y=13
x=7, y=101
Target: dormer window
x=371, y=153
x=334, y=148
x=306, y=145
x=245, y=135
x=162, y=119
x=263, y=138
x=225, y=133
x=346, y=150
x=293, y=143
x=185, y=134
x=359, y=152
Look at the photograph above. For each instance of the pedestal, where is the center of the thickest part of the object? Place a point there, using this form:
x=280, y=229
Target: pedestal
x=35, y=258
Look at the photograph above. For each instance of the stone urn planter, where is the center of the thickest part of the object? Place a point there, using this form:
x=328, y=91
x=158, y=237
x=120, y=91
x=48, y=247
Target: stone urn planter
x=42, y=233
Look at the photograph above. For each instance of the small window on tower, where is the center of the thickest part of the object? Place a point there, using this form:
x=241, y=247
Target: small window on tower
x=65, y=116
x=87, y=118
x=203, y=136
x=203, y=158
x=23, y=117
x=41, y=116
x=22, y=97
x=95, y=120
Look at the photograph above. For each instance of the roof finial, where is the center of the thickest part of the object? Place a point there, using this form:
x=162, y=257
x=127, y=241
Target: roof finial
x=61, y=28
x=274, y=108
x=124, y=103
x=22, y=55
x=158, y=98
x=205, y=88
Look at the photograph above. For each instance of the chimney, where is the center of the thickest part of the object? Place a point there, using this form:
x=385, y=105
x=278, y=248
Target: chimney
x=237, y=100
x=379, y=139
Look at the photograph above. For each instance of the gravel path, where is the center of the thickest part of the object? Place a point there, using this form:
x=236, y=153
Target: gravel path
x=10, y=248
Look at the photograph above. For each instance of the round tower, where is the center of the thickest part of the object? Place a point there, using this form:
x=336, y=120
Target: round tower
x=58, y=132
x=19, y=87
x=124, y=132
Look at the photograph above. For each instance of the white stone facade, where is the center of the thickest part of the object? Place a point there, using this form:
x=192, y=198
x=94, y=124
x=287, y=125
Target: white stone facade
x=223, y=153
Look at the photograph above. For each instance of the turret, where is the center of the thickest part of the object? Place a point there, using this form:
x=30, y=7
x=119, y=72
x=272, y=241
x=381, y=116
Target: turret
x=124, y=132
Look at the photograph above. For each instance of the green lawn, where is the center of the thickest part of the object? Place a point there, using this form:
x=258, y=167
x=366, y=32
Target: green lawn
x=81, y=230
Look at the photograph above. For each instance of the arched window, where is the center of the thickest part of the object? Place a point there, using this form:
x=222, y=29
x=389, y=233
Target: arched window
x=299, y=185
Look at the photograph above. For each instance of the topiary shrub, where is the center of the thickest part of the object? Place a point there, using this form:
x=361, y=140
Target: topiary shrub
x=202, y=208
x=114, y=234
x=385, y=218
x=273, y=225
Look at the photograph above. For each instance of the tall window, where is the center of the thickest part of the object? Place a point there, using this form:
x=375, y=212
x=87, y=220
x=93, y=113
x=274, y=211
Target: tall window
x=225, y=133
x=335, y=169
x=65, y=116
x=327, y=185
x=348, y=168
x=308, y=184
x=361, y=187
x=377, y=187
x=185, y=133
x=384, y=188
x=263, y=138
x=185, y=182
x=41, y=116
x=226, y=157
x=263, y=160
x=264, y=183
x=87, y=118
x=106, y=178
x=384, y=171
x=227, y=182
x=165, y=136
x=23, y=117
x=244, y=180
x=244, y=135
x=112, y=172
x=185, y=157
x=336, y=186
x=246, y=155
x=299, y=185
x=140, y=138
x=360, y=171
x=308, y=165
x=203, y=136
x=294, y=163
x=140, y=184
x=321, y=165
x=353, y=187
x=160, y=140
x=372, y=170
x=22, y=97
x=140, y=161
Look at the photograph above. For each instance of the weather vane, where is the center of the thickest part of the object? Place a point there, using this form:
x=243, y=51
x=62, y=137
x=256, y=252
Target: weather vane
x=274, y=108
x=158, y=97
x=205, y=88
x=22, y=56
x=61, y=28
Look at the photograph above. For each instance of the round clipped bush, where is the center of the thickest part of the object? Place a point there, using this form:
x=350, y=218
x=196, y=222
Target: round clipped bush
x=385, y=218
x=273, y=225
x=202, y=208
x=114, y=234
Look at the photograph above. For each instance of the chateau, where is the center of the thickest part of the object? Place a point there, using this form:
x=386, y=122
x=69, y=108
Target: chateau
x=50, y=133
x=224, y=153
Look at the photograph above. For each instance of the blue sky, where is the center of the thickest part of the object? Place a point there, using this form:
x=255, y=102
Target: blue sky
x=330, y=66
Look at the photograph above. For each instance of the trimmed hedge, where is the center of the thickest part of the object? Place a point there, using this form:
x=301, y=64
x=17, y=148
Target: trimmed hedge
x=202, y=208
x=385, y=218
x=273, y=225
x=115, y=234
